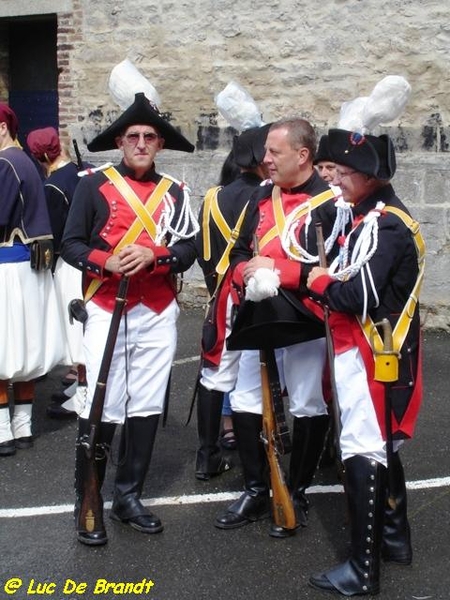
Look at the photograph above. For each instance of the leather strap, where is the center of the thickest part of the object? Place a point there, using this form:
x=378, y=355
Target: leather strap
x=210, y=196
x=144, y=216
x=212, y=211
x=403, y=324
x=280, y=217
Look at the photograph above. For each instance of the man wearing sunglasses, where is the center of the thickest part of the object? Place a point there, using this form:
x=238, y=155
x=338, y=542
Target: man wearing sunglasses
x=122, y=222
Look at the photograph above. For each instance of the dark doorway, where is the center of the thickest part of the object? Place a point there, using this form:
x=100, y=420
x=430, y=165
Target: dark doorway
x=33, y=73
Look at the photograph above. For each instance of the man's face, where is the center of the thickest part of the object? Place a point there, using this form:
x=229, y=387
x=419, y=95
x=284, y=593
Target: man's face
x=326, y=170
x=283, y=162
x=140, y=144
x=355, y=186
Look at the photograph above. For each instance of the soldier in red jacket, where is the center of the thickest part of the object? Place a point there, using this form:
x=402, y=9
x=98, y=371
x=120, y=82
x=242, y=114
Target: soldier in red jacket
x=376, y=276
x=221, y=218
x=299, y=344
x=123, y=221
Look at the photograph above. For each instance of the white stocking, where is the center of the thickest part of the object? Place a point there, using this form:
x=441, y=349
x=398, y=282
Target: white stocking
x=21, y=422
x=5, y=425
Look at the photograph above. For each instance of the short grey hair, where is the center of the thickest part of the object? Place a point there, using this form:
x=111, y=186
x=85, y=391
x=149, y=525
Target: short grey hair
x=301, y=133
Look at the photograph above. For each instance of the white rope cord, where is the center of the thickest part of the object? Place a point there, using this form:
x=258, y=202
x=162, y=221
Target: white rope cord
x=289, y=238
x=365, y=247
x=185, y=227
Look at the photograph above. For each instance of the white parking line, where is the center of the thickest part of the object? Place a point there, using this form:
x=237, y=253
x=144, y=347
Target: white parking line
x=33, y=511
x=183, y=361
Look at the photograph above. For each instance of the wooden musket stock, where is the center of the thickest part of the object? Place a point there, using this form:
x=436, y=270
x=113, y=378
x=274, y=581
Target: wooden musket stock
x=282, y=505
x=91, y=509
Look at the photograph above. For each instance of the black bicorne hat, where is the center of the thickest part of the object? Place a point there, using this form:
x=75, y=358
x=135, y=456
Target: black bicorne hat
x=248, y=147
x=323, y=152
x=274, y=322
x=141, y=112
x=369, y=154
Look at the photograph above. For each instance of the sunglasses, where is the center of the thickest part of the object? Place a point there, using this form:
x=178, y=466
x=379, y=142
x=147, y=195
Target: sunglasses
x=134, y=137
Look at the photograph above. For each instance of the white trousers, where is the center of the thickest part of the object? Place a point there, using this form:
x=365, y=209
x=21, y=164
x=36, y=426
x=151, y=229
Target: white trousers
x=300, y=369
x=361, y=434
x=223, y=377
x=141, y=364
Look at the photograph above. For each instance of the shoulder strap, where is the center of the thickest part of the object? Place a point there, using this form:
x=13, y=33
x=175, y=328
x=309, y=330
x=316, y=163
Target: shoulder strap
x=210, y=197
x=301, y=210
x=211, y=211
x=233, y=235
x=403, y=324
x=143, y=214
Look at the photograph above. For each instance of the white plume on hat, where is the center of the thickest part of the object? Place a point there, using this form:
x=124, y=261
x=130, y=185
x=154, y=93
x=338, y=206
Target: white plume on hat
x=238, y=108
x=386, y=102
x=125, y=81
x=350, y=117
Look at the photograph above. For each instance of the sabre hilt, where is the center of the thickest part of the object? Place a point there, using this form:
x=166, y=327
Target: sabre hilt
x=386, y=360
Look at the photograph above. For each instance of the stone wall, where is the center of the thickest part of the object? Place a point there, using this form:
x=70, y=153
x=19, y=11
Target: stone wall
x=294, y=57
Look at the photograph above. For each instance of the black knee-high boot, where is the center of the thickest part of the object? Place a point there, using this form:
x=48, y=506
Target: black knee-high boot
x=136, y=447
x=308, y=439
x=254, y=503
x=91, y=531
x=366, y=495
x=210, y=460
x=396, y=542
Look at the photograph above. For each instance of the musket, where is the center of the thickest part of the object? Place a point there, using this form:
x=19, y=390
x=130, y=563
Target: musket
x=167, y=400
x=386, y=371
x=283, y=512
x=194, y=393
x=91, y=509
x=335, y=411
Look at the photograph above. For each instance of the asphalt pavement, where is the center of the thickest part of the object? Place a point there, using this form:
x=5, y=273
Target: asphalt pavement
x=191, y=559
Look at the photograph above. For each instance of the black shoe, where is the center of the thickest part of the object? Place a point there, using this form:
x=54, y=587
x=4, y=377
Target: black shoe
x=56, y=411
x=321, y=582
x=245, y=510
x=7, y=448
x=147, y=523
x=94, y=538
x=276, y=531
x=224, y=465
x=24, y=442
x=301, y=517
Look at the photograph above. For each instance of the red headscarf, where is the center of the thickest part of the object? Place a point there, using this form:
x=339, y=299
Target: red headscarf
x=8, y=116
x=44, y=144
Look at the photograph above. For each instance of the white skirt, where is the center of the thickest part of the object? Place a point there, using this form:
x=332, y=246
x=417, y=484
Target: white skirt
x=68, y=286
x=30, y=323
